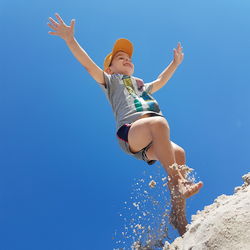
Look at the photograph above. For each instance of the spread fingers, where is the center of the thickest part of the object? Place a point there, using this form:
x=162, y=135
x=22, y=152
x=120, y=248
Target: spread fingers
x=59, y=18
x=51, y=26
x=53, y=21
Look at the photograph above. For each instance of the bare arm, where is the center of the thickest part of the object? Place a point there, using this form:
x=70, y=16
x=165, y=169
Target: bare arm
x=67, y=34
x=169, y=71
x=81, y=55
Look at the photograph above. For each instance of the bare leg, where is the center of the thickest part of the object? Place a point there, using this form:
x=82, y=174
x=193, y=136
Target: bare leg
x=178, y=211
x=177, y=215
x=178, y=203
x=156, y=129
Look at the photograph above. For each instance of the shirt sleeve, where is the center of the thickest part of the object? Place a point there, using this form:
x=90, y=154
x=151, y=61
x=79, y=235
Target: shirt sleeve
x=107, y=83
x=148, y=87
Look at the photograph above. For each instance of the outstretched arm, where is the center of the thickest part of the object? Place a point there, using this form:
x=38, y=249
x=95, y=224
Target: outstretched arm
x=67, y=33
x=169, y=71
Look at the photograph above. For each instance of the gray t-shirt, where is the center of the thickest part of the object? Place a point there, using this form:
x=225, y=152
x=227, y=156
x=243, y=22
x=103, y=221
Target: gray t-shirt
x=129, y=97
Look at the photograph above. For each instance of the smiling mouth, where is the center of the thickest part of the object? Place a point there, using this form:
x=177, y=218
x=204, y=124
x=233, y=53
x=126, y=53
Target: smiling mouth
x=127, y=64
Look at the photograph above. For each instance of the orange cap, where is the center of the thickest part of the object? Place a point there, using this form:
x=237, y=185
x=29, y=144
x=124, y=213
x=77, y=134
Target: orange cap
x=121, y=44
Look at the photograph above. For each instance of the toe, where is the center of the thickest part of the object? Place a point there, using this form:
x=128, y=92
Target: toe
x=193, y=189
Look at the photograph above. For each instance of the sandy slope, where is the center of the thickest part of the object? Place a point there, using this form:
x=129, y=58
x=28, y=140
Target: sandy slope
x=225, y=224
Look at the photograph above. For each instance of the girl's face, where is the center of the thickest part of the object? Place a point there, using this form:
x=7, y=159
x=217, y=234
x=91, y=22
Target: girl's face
x=121, y=64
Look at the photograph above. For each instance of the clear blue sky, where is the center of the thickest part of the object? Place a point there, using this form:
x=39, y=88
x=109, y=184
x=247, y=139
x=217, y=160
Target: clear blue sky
x=63, y=177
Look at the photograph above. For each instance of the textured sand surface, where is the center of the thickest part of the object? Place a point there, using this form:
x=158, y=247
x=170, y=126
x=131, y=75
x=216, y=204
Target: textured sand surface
x=224, y=225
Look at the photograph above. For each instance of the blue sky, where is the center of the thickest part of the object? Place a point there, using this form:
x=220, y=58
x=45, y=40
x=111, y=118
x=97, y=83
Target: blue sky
x=63, y=177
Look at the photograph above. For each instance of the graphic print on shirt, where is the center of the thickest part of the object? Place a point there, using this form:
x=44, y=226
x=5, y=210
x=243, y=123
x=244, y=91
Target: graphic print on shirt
x=130, y=87
x=142, y=100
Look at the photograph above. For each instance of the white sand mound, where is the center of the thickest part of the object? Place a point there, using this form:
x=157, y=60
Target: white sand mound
x=223, y=225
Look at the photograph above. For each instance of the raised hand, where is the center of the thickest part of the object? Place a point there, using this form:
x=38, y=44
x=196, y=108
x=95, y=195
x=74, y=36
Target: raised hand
x=61, y=29
x=178, y=55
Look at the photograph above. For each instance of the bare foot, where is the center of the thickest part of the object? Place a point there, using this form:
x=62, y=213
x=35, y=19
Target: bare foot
x=180, y=189
x=179, y=178
x=188, y=188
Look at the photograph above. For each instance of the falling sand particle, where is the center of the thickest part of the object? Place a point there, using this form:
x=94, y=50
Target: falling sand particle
x=152, y=184
x=145, y=215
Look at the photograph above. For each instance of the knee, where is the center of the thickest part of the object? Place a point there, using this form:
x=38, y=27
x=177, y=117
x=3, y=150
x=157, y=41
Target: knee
x=180, y=155
x=159, y=124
